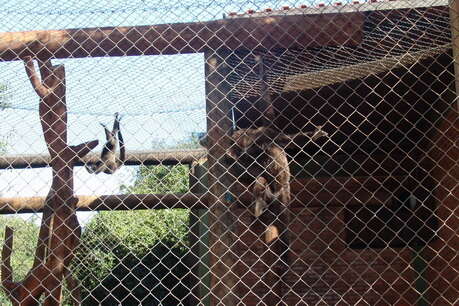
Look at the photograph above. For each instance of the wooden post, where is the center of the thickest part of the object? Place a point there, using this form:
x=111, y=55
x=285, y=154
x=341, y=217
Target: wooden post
x=199, y=238
x=222, y=220
x=441, y=254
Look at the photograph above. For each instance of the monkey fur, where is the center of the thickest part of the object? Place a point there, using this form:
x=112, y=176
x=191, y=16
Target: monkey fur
x=109, y=162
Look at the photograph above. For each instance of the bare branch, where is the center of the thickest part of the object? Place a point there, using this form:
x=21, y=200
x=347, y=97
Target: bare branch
x=41, y=90
x=83, y=149
x=7, y=271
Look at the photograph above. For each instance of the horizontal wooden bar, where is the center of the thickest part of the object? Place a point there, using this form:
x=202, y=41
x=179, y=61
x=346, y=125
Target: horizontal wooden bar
x=133, y=158
x=110, y=202
x=269, y=32
x=339, y=191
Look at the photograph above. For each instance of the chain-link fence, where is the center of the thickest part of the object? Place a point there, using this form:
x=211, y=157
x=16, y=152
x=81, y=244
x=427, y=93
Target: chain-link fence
x=249, y=152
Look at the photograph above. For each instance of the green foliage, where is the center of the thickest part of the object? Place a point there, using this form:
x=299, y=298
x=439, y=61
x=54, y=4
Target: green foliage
x=159, y=179
x=134, y=256
x=25, y=240
x=138, y=257
x=4, y=141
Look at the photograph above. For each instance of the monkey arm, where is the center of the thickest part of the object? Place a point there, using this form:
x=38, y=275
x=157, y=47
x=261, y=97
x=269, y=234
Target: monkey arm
x=116, y=123
x=107, y=132
x=318, y=133
x=120, y=161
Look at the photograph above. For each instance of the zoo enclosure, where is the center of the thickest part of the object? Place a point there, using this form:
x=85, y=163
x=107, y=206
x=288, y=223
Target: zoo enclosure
x=374, y=204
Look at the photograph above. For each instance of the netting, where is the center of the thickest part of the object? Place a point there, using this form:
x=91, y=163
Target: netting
x=250, y=153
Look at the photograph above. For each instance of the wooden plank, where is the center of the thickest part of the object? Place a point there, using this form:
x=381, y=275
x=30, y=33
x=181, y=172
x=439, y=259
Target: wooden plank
x=110, y=202
x=301, y=198
x=270, y=32
x=199, y=258
x=133, y=158
x=311, y=192
x=347, y=7
x=305, y=192
x=222, y=220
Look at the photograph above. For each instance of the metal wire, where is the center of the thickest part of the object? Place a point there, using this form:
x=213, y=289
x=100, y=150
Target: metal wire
x=277, y=153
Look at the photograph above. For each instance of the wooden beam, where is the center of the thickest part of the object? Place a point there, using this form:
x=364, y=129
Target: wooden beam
x=109, y=202
x=270, y=32
x=133, y=158
x=222, y=220
x=22, y=205
x=311, y=192
x=198, y=257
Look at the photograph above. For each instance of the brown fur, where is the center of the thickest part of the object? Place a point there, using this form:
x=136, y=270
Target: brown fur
x=261, y=154
x=109, y=162
x=266, y=163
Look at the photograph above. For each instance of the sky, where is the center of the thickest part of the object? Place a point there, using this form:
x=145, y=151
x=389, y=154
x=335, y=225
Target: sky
x=162, y=98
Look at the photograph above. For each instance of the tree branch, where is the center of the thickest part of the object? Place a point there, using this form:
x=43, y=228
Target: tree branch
x=41, y=90
x=83, y=149
x=7, y=271
x=60, y=231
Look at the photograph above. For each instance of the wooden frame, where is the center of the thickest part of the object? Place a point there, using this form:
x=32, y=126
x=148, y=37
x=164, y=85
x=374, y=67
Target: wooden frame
x=270, y=32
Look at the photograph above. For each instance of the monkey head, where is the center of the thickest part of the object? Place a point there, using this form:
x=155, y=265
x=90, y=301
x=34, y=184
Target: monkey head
x=248, y=141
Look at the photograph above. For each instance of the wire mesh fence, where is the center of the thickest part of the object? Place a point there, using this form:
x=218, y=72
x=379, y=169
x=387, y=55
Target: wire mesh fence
x=229, y=153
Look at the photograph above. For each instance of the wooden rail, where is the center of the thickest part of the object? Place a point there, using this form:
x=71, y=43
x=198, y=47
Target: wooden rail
x=269, y=32
x=133, y=158
x=326, y=191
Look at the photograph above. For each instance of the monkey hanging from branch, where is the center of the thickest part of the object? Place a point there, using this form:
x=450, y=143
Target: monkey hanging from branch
x=109, y=162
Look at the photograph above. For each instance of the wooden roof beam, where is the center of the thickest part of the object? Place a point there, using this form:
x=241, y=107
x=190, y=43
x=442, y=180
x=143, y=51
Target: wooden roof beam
x=269, y=33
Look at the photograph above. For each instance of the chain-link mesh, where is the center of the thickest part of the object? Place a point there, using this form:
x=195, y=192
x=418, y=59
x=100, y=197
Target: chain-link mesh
x=249, y=152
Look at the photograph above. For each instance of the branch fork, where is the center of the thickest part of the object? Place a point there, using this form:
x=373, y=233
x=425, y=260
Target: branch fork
x=59, y=231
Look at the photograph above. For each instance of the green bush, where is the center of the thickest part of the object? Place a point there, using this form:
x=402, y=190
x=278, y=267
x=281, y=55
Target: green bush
x=137, y=257
x=24, y=243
